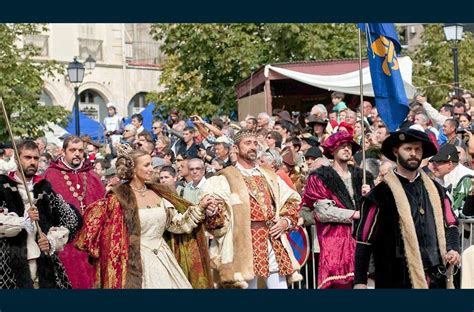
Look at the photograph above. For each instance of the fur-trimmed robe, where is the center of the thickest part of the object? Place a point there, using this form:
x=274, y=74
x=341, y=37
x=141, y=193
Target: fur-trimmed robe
x=111, y=237
x=53, y=212
x=231, y=249
x=387, y=231
x=336, y=264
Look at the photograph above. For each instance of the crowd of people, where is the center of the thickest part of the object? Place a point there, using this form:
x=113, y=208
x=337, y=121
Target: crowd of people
x=209, y=203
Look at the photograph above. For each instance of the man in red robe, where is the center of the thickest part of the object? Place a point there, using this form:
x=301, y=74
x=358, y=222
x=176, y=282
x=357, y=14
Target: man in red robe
x=335, y=193
x=74, y=179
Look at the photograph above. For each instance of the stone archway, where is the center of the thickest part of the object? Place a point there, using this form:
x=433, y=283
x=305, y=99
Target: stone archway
x=137, y=103
x=51, y=92
x=93, y=104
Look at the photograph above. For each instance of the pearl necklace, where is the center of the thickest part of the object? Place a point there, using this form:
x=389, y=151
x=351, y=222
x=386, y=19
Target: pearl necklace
x=142, y=191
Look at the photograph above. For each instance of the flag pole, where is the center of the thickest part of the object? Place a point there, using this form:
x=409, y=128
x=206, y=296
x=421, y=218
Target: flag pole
x=364, y=178
x=17, y=156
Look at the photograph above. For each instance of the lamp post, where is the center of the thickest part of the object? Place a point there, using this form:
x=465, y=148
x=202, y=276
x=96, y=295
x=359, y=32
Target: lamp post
x=453, y=33
x=75, y=72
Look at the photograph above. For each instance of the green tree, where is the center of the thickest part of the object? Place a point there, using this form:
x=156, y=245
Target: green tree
x=206, y=61
x=433, y=64
x=21, y=81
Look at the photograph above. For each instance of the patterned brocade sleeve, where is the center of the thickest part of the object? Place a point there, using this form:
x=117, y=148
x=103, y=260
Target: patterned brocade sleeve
x=65, y=215
x=217, y=220
x=184, y=223
x=290, y=211
x=95, y=218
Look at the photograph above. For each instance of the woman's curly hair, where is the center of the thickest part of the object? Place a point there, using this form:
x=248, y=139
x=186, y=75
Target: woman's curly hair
x=126, y=160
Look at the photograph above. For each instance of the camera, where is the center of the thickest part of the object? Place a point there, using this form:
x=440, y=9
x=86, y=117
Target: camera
x=462, y=130
x=295, y=113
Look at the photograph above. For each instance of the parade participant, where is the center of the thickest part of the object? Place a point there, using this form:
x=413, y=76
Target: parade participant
x=123, y=233
x=335, y=192
x=29, y=255
x=73, y=177
x=256, y=208
x=407, y=223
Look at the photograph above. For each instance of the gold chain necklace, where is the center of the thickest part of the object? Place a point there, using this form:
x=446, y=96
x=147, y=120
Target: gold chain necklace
x=74, y=190
x=142, y=191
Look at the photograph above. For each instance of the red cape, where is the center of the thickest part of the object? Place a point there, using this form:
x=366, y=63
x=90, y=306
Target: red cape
x=78, y=269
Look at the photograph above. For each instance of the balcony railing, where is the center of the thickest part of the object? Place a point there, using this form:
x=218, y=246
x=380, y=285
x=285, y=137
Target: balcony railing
x=140, y=52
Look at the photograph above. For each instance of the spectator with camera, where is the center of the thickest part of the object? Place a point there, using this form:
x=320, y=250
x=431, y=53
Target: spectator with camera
x=449, y=128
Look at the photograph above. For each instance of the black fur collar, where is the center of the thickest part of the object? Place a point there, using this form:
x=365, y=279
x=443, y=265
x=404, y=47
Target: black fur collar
x=334, y=183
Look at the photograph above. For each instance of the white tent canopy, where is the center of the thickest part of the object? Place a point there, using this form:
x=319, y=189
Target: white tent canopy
x=54, y=133
x=348, y=83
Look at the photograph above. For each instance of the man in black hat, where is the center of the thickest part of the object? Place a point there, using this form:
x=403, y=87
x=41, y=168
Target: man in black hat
x=406, y=222
x=318, y=127
x=455, y=177
x=314, y=158
x=308, y=141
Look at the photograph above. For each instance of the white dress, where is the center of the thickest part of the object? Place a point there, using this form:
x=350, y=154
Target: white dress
x=160, y=268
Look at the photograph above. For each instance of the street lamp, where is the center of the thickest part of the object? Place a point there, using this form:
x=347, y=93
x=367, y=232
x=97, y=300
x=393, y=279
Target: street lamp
x=90, y=63
x=75, y=72
x=453, y=33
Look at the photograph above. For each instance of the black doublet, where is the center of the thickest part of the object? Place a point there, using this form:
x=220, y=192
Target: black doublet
x=53, y=211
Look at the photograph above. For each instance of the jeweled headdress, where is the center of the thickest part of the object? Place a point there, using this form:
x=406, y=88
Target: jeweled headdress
x=124, y=150
x=243, y=134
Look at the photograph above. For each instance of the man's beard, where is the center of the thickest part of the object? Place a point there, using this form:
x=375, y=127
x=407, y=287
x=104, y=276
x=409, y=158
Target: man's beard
x=250, y=156
x=30, y=171
x=409, y=164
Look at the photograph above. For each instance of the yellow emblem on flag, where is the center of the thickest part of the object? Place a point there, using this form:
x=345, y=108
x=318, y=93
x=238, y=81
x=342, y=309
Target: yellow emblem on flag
x=384, y=48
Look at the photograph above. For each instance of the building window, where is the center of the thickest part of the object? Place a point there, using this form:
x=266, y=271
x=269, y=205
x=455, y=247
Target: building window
x=90, y=47
x=137, y=103
x=39, y=41
x=92, y=104
x=147, y=53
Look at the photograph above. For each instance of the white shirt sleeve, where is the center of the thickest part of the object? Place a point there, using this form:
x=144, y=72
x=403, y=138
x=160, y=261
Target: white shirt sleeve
x=433, y=114
x=10, y=224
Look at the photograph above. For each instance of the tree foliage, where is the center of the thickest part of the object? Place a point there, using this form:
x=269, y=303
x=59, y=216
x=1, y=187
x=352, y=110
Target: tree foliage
x=433, y=65
x=206, y=61
x=21, y=81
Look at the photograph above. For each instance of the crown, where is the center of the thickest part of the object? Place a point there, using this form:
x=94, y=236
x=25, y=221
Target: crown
x=243, y=134
x=123, y=150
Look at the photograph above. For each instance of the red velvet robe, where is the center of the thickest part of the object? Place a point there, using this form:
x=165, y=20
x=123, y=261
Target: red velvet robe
x=111, y=236
x=78, y=269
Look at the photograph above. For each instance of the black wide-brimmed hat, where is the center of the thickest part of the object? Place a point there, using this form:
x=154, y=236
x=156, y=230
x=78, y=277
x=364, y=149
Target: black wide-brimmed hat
x=408, y=136
x=312, y=120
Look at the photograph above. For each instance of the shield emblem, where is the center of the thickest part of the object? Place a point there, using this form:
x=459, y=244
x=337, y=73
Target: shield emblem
x=299, y=241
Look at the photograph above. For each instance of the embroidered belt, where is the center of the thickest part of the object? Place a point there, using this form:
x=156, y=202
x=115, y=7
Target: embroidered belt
x=260, y=224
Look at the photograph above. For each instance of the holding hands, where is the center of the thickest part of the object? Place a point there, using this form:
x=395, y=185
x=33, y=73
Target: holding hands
x=211, y=204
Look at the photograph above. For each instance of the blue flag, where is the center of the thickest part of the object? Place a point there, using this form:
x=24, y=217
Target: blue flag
x=390, y=97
